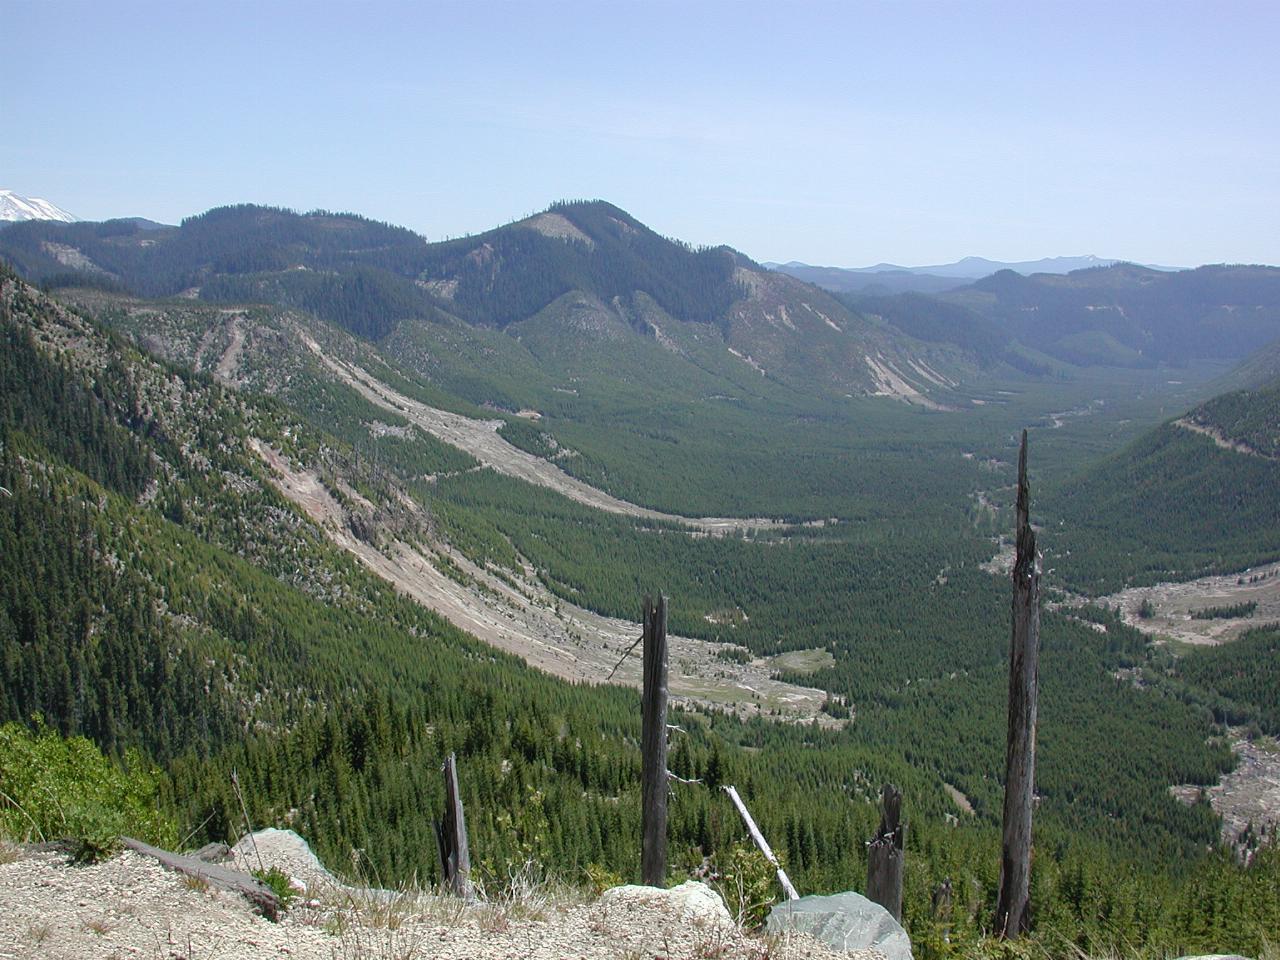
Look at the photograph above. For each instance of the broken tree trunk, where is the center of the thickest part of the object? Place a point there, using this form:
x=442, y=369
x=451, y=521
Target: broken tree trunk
x=653, y=745
x=760, y=841
x=942, y=907
x=262, y=897
x=885, y=855
x=451, y=835
x=1012, y=909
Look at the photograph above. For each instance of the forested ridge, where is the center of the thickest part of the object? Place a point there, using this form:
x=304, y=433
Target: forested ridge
x=361, y=274
x=1171, y=506
x=1130, y=315
x=1250, y=418
x=159, y=593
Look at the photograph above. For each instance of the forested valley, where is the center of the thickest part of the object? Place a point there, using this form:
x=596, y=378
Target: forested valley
x=160, y=596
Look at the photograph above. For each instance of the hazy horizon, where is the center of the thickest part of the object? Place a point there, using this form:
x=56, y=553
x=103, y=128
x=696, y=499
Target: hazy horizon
x=828, y=134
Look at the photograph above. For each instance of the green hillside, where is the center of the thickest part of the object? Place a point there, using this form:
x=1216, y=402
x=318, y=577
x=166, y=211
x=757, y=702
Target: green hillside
x=377, y=281
x=269, y=651
x=1248, y=418
x=1197, y=496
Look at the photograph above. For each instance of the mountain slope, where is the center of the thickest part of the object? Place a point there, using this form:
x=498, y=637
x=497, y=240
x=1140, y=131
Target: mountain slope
x=378, y=281
x=1129, y=315
x=1199, y=495
x=871, y=281
x=1259, y=370
x=14, y=208
x=1247, y=421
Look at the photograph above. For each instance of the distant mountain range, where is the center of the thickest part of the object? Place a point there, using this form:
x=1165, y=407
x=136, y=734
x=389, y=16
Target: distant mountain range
x=584, y=293
x=892, y=278
x=580, y=284
x=15, y=208
x=1127, y=315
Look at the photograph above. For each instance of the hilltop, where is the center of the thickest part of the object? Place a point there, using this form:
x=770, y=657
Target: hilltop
x=580, y=275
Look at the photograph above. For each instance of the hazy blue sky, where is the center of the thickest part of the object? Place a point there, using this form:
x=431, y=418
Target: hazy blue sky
x=836, y=133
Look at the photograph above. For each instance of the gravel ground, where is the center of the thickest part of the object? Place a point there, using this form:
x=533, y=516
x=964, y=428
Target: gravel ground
x=129, y=906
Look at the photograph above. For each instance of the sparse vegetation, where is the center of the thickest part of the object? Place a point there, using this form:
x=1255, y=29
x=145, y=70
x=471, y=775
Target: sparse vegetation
x=280, y=885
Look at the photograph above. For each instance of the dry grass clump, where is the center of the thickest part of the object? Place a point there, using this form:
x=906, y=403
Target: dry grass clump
x=380, y=924
x=361, y=943
x=193, y=882
x=99, y=925
x=10, y=852
x=526, y=893
x=38, y=933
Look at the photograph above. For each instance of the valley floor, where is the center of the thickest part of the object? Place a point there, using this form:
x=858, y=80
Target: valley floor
x=480, y=438
x=517, y=614
x=1248, y=796
x=1172, y=606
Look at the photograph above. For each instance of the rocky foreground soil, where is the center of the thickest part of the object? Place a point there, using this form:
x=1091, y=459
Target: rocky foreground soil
x=129, y=906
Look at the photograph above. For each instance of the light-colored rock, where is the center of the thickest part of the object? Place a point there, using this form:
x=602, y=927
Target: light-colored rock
x=846, y=921
x=288, y=851
x=691, y=902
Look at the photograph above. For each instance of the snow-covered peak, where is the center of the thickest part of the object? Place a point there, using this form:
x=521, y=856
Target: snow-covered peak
x=14, y=207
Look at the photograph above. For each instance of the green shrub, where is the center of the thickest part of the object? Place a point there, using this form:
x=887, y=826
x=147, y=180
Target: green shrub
x=600, y=879
x=278, y=881
x=53, y=787
x=747, y=882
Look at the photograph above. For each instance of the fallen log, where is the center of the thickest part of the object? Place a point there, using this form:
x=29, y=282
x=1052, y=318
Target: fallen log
x=262, y=897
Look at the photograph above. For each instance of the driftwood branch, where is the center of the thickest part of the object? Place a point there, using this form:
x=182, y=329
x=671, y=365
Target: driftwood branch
x=761, y=842
x=262, y=897
x=1012, y=909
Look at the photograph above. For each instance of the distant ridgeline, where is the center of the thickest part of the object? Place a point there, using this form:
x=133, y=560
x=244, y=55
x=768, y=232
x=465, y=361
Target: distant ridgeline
x=156, y=591
x=347, y=269
x=373, y=280
x=1120, y=316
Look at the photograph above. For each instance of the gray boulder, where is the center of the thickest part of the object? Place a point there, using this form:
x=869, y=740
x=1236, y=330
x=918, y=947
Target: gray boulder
x=846, y=921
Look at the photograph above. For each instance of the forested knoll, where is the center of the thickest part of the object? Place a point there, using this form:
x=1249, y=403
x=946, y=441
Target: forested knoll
x=316, y=688
x=1248, y=417
x=1174, y=504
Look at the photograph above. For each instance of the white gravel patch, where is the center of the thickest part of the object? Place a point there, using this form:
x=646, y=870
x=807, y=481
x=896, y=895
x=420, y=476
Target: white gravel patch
x=129, y=906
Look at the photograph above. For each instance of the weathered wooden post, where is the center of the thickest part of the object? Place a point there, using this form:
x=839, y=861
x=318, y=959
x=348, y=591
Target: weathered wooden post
x=653, y=745
x=761, y=843
x=451, y=835
x=942, y=907
x=1013, y=916
x=885, y=856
